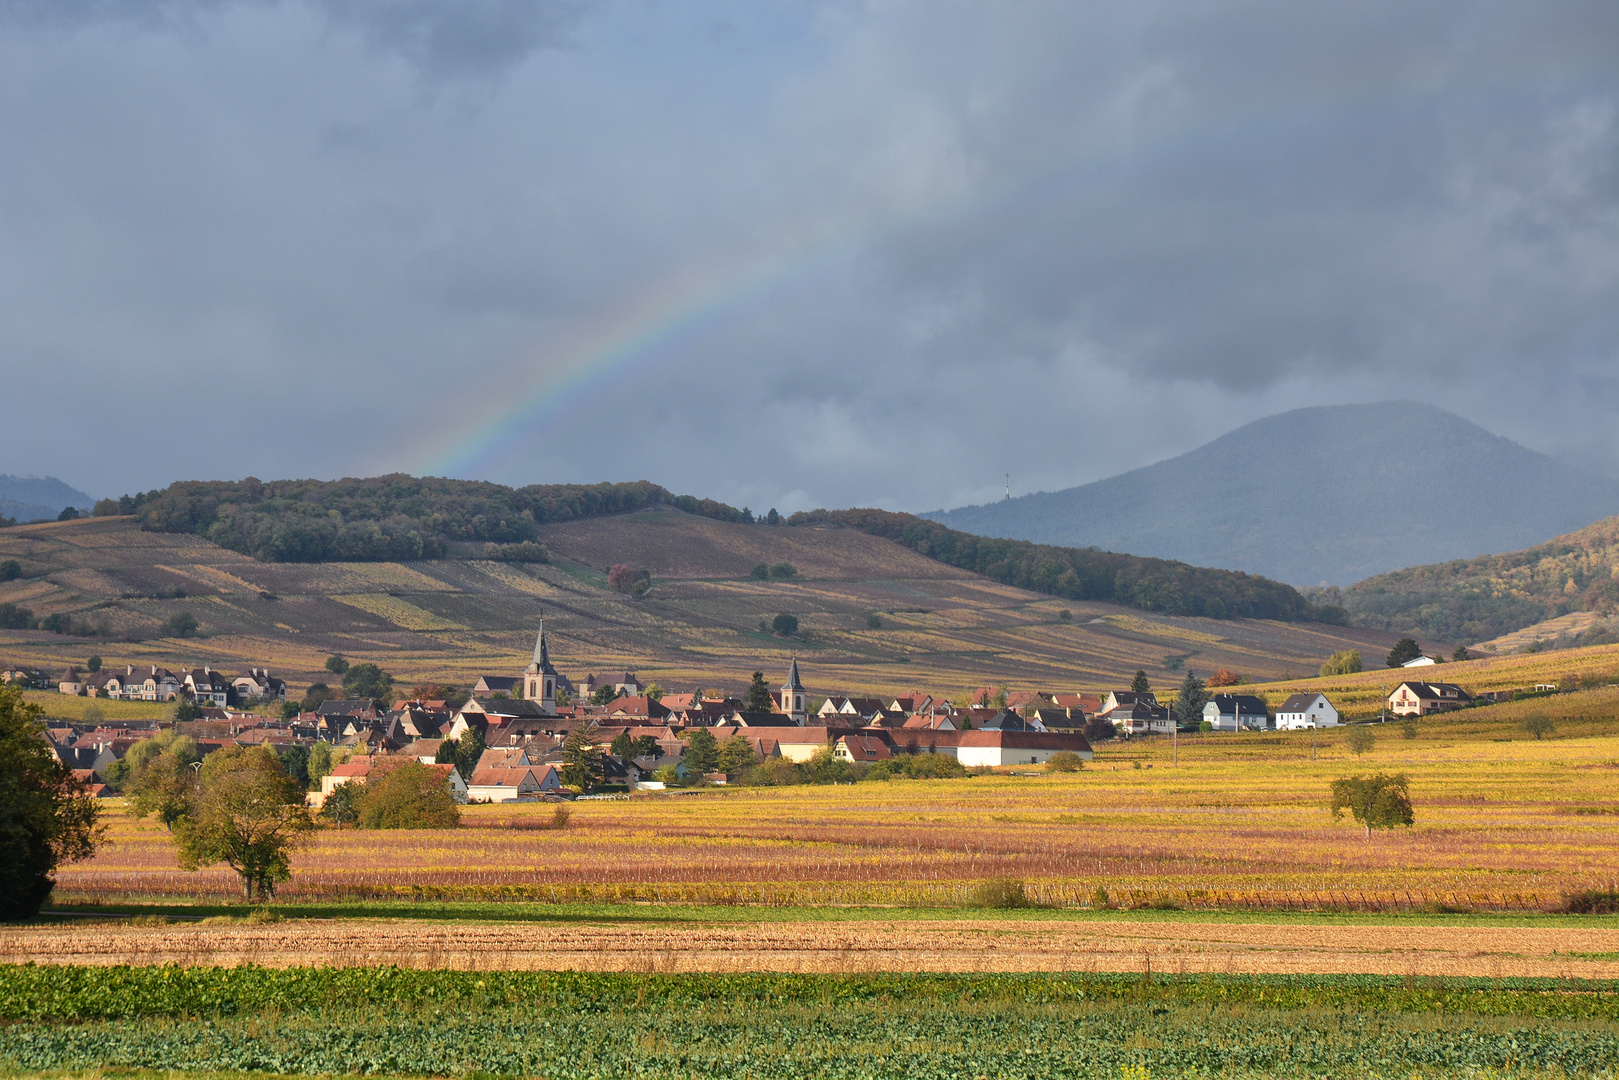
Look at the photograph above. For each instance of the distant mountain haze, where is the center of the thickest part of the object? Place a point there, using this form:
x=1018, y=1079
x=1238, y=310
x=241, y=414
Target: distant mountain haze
x=1329, y=494
x=30, y=498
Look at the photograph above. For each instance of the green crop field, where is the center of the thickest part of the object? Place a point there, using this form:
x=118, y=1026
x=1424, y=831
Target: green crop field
x=439, y=1023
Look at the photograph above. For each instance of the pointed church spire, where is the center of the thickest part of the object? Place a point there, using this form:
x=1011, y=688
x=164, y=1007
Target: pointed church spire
x=792, y=677
x=542, y=652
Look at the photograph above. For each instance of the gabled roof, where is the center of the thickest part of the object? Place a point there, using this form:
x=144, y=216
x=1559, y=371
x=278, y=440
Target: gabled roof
x=1250, y=705
x=1297, y=703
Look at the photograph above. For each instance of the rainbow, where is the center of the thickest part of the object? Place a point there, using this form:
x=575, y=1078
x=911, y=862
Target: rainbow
x=513, y=404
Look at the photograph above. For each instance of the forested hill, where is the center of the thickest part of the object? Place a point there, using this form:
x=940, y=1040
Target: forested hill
x=1472, y=600
x=386, y=518
x=401, y=517
x=1173, y=588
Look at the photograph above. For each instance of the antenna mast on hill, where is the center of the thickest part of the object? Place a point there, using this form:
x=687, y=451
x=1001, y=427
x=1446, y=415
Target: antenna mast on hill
x=1009, y=485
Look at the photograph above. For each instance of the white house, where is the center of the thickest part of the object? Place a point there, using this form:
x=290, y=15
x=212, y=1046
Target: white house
x=1421, y=698
x=976, y=749
x=1306, y=711
x=1421, y=661
x=518, y=784
x=1236, y=712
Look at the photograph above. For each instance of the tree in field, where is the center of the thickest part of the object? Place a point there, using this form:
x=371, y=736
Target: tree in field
x=625, y=579
x=760, y=572
x=759, y=698
x=1538, y=725
x=1405, y=650
x=336, y=664
x=1223, y=677
x=737, y=755
x=1065, y=761
x=367, y=680
x=1377, y=802
x=582, y=765
x=1189, y=702
x=46, y=820
x=248, y=814
x=181, y=625
x=1361, y=739
x=1345, y=662
x=407, y=795
x=1461, y=654
x=702, y=754
x=783, y=570
x=161, y=779
x=1139, y=684
x=93, y=664
x=10, y=570
x=784, y=625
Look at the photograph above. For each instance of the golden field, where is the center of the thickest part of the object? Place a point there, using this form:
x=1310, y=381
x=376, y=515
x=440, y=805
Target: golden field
x=943, y=630
x=1503, y=822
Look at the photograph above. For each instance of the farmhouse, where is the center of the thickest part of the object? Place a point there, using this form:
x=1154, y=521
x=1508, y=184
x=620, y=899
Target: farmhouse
x=1422, y=698
x=861, y=748
x=1236, y=712
x=993, y=748
x=1142, y=716
x=1306, y=711
x=520, y=783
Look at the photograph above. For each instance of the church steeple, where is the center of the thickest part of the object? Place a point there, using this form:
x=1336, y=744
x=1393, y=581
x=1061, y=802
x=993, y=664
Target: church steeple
x=540, y=679
x=792, y=696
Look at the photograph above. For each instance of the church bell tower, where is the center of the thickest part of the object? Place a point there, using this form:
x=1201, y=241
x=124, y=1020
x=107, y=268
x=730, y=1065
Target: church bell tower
x=792, y=696
x=540, y=678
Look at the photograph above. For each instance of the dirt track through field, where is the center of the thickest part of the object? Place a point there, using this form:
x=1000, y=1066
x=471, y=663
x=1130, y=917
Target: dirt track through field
x=941, y=945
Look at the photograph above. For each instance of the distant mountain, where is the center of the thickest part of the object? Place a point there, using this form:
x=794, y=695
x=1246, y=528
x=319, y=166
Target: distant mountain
x=1482, y=598
x=1330, y=494
x=30, y=498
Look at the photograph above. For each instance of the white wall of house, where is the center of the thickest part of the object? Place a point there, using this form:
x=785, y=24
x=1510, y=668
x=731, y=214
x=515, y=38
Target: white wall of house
x=975, y=757
x=1320, y=713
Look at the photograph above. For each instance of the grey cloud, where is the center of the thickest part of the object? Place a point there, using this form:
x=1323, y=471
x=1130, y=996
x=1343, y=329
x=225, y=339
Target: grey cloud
x=443, y=39
x=1054, y=238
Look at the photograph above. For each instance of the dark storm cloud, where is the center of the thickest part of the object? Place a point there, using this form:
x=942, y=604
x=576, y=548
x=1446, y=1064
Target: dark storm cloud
x=937, y=242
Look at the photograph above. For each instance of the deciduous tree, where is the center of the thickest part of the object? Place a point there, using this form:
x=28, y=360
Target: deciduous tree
x=1361, y=740
x=1343, y=662
x=784, y=625
x=1538, y=725
x=1376, y=802
x=46, y=819
x=407, y=795
x=248, y=814
x=737, y=755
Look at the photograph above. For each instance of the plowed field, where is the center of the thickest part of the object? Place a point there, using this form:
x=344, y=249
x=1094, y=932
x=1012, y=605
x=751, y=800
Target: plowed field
x=846, y=947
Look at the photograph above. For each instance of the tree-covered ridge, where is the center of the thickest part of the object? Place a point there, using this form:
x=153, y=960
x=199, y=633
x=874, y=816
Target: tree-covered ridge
x=1477, y=599
x=387, y=517
x=1173, y=588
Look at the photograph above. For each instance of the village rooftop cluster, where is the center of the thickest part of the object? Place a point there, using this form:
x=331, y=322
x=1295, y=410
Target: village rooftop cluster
x=518, y=725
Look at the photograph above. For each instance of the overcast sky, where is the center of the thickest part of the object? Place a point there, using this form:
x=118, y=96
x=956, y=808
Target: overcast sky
x=791, y=253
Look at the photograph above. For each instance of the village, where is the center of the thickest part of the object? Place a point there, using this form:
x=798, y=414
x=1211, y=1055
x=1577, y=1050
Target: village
x=512, y=737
